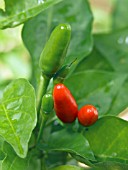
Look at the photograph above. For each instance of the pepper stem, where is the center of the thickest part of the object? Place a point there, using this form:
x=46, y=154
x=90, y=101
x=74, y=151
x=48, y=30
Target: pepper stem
x=44, y=81
x=43, y=166
x=44, y=118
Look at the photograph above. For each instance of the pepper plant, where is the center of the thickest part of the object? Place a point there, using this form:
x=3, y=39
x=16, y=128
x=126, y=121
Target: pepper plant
x=64, y=50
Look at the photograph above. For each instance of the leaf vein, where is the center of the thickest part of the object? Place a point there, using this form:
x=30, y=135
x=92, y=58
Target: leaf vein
x=12, y=163
x=114, y=141
x=15, y=98
x=13, y=129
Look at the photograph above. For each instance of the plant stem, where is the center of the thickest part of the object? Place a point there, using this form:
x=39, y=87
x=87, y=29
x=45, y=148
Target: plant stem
x=42, y=125
x=44, y=82
x=43, y=166
x=42, y=90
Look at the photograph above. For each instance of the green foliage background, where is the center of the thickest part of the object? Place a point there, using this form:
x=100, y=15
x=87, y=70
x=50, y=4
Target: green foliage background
x=99, y=75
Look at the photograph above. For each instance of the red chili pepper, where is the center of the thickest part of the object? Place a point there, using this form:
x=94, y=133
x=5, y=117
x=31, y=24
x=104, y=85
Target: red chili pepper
x=64, y=104
x=87, y=115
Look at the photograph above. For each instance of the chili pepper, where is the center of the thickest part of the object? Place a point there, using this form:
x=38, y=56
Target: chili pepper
x=47, y=104
x=64, y=104
x=54, y=52
x=87, y=115
x=46, y=108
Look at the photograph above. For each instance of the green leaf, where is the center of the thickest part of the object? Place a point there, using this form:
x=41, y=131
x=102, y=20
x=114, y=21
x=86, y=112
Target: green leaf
x=17, y=12
x=109, y=57
x=120, y=102
x=71, y=142
x=67, y=167
x=12, y=161
x=2, y=153
x=18, y=115
x=108, y=138
x=119, y=15
x=94, y=61
x=113, y=47
x=111, y=166
x=96, y=87
x=2, y=86
x=37, y=31
x=56, y=158
x=34, y=164
x=109, y=53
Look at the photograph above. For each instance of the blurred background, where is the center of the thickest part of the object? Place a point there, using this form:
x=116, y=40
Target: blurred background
x=15, y=61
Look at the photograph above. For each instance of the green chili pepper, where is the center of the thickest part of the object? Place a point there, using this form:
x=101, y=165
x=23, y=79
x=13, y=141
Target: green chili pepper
x=54, y=52
x=47, y=104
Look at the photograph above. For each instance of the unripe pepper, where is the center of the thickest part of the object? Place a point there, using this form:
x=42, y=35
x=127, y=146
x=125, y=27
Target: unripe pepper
x=64, y=104
x=87, y=115
x=47, y=104
x=54, y=52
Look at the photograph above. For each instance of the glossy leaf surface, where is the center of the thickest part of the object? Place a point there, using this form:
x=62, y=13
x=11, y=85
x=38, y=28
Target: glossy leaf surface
x=73, y=143
x=109, y=59
x=18, y=115
x=98, y=88
x=108, y=139
x=17, y=12
x=113, y=47
x=12, y=161
x=37, y=31
x=109, y=53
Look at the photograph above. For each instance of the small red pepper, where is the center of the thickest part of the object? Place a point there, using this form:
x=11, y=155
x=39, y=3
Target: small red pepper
x=64, y=104
x=87, y=115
